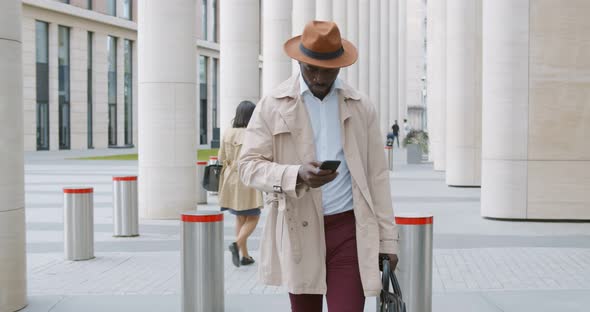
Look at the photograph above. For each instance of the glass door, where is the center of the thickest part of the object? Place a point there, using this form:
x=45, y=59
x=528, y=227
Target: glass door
x=112, y=124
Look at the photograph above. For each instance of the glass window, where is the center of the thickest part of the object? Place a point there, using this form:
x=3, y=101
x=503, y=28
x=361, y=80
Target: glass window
x=65, y=1
x=64, y=86
x=215, y=20
x=128, y=91
x=42, y=71
x=112, y=89
x=89, y=91
x=89, y=4
x=127, y=9
x=203, y=99
x=204, y=20
x=215, y=94
x=112, y=7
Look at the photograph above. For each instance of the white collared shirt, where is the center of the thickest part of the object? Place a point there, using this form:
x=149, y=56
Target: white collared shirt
x=325, y=121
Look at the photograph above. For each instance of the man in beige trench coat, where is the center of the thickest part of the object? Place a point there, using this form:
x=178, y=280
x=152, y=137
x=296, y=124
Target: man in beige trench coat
x=325, y=230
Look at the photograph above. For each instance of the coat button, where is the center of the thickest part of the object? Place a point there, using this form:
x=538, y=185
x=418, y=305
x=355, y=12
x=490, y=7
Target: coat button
x=304, y=223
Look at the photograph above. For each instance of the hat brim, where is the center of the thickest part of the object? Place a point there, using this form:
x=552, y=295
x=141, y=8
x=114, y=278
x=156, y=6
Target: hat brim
x=347, y=58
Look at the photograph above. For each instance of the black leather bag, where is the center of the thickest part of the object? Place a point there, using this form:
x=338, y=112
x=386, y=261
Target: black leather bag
x=211, y=177
x=390, y=301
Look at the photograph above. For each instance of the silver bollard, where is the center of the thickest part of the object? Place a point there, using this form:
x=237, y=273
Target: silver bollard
x=202, y=261
x=201, y=192
x=125, y=211
x=389, y=150
x=415, y=260
x=78, y=223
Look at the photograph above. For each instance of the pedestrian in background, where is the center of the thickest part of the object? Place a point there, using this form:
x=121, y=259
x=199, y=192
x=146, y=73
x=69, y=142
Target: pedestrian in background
x=395, y=131
x=234, y=196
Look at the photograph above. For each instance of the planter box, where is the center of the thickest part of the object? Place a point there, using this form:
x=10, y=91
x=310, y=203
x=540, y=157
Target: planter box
x=414, y=153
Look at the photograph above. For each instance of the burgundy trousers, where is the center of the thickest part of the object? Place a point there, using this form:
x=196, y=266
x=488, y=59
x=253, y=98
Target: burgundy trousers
x=345, y=290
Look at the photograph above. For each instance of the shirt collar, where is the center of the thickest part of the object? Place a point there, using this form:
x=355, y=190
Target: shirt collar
x=303, y=87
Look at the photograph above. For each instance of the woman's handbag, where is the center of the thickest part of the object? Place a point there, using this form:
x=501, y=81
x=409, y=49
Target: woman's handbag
x=211, y=177
x=390, y=301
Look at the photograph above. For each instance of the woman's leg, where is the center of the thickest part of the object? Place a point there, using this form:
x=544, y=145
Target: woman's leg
x=247, y=229
x=240, y=220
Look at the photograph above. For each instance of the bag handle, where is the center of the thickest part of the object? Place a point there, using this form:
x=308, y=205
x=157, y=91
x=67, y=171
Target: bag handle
x=389, y=276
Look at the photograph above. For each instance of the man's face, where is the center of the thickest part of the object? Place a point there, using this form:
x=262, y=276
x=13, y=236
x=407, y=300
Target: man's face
x=319, y=79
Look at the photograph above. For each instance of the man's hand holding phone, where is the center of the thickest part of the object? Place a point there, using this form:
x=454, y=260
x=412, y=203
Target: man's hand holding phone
x=314, y=176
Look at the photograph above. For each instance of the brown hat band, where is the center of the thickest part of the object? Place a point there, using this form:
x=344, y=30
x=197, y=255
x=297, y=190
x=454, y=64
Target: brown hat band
x=321, y=55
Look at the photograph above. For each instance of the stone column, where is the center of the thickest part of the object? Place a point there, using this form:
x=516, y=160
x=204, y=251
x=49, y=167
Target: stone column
x=402, y=60
x=324, y=10
x=239, y=53
x=339, y=17
x=384, y=56
x=276, y=29
x=303, y=12
x=363, y=47
x=436, y=81
x=352, y=34
x=536, y=110
x=13, y=263
x=167, y=97
x=374, y=55
x=53, y=87
x=393, y=62
x=463, y=93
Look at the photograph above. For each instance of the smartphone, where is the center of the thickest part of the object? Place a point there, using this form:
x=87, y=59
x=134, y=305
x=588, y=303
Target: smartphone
x=330, y=165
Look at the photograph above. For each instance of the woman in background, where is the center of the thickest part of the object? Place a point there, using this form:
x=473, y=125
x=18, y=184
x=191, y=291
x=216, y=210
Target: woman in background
x=235, y=197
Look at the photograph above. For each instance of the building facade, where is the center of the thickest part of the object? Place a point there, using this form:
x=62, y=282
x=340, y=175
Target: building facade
x=80, y=73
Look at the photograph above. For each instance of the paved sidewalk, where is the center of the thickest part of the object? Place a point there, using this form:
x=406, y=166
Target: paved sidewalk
x=479, y=264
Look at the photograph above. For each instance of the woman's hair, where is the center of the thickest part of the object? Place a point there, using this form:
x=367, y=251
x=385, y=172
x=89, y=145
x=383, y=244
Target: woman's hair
x=243, y=114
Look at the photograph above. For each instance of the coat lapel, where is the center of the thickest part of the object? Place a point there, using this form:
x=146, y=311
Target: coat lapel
x=349, y=143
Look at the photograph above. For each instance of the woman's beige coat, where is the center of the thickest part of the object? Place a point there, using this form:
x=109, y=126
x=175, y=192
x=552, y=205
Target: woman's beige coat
x=278, y=140
x=232, y=192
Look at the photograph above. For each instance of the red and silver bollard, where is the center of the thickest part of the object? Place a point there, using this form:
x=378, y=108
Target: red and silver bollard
x=415, y=260
x=125, y=211
x=78, y=223
x=202, y=261
x=201, y=192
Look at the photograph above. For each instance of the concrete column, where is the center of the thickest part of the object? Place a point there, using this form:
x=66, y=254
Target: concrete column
x=100, y=67
x=463, y=93
x=352, y=34
x=167, y=97
x=402, y=61
x=29, y=83
x=303, y=12
x=374, y=55
x=414, y=73
x=239, y=54
x=384, y=99
x=536, y=110
x=276, y=29
x=393, y=62
x=324, y=10
x=53, y=88
x=363, y=47
x=78, y=88
x=13, y=263
x=339, y=17
x=436, y=81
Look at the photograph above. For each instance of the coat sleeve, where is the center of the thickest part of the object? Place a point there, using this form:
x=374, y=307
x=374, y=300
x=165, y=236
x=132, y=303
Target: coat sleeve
x=378, y=175
x=256, y=164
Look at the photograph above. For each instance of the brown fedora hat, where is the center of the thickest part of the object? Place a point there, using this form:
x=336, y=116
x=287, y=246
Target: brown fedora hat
x=321, y=45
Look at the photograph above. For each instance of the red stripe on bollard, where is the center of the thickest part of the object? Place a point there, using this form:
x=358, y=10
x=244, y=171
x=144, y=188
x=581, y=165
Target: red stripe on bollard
x=202, y=163
x=414, y=220
x=130, y=178
x=201, y=218
x=78, y=190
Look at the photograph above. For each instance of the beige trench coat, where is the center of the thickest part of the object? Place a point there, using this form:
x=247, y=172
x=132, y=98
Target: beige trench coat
x=232, y=192
x=278, y=140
